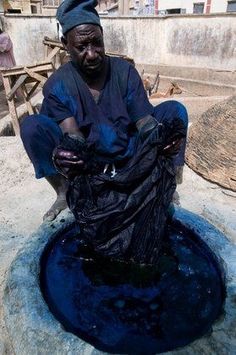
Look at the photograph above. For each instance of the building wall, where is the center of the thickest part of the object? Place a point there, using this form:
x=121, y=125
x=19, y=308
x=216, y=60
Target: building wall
x=23, y=5
x=215, y=6
x=49, y=7
x=45, y=6
x=219, y=5
x=27, y=34
x=172, y=4
x=206, y=41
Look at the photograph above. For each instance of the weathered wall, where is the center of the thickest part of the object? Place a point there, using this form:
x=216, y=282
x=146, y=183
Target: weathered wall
x=219, y=5
x=194, y=41
x=23, y=5
x=215, y=5
x=27, y=33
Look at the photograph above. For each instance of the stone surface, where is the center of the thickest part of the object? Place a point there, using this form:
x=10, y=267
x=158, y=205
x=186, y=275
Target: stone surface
x=210, y=201
x=34, y=330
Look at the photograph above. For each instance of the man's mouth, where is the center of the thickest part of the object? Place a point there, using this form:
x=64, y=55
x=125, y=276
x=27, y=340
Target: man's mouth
x=94, y=66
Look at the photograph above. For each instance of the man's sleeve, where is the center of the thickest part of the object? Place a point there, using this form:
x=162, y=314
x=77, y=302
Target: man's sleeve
x=57, y=104
x=138, y=105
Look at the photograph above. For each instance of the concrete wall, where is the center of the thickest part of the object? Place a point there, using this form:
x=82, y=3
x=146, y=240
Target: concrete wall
x=23, y=5
x=176, y=4
x=218, y=5
x=27, y=33
x=215, y=5
x=194, y=41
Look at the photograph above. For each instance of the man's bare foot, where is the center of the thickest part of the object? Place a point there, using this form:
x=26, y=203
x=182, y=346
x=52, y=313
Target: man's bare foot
x=59, y=205
x=60, y=185
x=176, y=198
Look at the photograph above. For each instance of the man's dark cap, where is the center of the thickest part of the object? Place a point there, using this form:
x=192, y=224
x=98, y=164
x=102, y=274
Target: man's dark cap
x=72, y=13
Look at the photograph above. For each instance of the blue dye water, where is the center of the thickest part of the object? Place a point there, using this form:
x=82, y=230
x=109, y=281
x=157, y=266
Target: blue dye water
x=130, y=309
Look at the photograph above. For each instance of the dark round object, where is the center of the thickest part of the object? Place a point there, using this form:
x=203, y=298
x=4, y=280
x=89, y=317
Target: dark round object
x=131, y=309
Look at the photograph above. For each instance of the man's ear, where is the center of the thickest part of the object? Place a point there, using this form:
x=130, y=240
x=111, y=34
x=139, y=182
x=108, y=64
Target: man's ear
x=64, y=42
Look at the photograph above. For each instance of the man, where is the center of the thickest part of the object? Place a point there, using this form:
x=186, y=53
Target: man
x=7, y=59
x=93, y=98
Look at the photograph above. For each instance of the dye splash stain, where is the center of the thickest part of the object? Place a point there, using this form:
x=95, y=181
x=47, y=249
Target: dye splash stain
x=131, y=309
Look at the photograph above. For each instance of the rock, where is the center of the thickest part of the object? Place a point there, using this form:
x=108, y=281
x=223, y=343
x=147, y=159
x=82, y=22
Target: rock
x=211, y=144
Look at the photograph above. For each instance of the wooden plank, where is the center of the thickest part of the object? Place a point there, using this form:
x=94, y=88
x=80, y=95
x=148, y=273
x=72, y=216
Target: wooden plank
x=52, y=43
x=27, y=101
x=43, y=66
x=16, y=86
x=53, y=53
x=12, y=107
x=114, y=54
x=31, y=92
x=45, y=50
x=42, y=80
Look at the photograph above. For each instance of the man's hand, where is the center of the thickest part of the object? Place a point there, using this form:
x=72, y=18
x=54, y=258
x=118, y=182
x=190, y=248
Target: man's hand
x=173, y=148
x=67, y=162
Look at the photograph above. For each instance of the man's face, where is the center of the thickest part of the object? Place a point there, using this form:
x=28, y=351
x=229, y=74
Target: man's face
x=86, y=47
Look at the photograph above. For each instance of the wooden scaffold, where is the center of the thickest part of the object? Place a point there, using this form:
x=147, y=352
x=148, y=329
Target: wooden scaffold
x=17, y=79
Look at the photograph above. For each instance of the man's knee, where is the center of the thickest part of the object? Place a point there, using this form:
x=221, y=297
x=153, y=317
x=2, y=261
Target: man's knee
x=39, y=126
x=168, y=110
x=29, y=126
x=31, y=123
x=181, y=111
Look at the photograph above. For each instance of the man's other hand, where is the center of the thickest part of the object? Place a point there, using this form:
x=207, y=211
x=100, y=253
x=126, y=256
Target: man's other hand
x=173, y=148
x=67, y=162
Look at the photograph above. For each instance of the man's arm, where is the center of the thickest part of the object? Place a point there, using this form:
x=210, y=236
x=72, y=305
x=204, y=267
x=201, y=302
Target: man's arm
x=70, y=126
x=67, y=162
x=59, y=106
x=141, y=111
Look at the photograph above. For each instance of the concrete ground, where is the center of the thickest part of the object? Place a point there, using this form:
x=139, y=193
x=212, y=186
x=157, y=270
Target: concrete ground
x=24, y=200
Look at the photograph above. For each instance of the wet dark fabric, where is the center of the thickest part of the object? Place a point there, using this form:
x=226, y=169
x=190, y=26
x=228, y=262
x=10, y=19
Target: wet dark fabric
x=124, y=217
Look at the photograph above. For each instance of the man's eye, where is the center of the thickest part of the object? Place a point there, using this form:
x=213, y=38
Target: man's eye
x=81, y=48
x=97, y=43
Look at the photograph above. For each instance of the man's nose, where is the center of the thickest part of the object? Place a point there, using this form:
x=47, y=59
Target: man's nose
x=91, y=52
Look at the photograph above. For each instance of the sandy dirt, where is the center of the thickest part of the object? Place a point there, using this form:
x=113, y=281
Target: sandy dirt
x=22, y=205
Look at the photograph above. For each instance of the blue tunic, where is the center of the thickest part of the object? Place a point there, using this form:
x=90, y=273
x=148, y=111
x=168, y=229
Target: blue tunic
x=108, y=124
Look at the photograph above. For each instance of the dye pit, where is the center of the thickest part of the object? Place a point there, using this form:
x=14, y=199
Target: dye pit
x=130, y=309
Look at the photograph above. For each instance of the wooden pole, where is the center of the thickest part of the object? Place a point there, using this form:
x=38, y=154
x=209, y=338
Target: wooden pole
x=12, y=107
x=121, y=7
x=126, y=7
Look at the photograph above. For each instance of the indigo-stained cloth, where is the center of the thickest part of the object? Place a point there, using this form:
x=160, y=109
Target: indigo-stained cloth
x=124, y=216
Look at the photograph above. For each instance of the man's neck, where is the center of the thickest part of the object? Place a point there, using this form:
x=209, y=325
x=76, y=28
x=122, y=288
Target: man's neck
x=96, y=81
